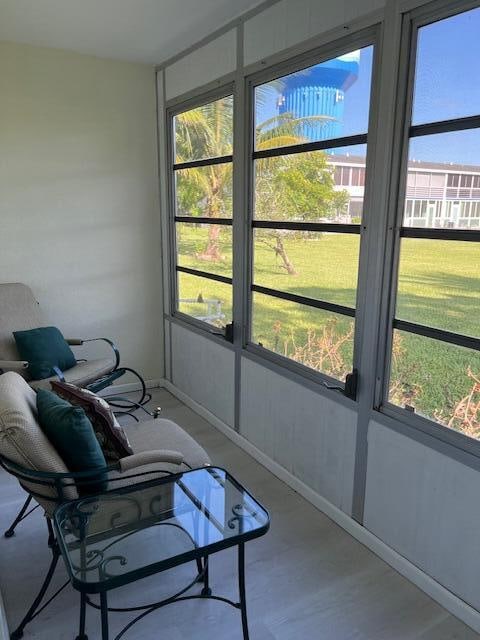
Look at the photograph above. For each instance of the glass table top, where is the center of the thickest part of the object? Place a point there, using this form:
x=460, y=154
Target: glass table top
x=126, y=534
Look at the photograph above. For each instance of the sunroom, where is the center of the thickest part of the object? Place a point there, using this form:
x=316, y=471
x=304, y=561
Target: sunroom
x=272, y=210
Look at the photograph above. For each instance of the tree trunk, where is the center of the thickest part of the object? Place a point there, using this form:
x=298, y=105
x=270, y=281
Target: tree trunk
x=280, y=251
x=211, y=253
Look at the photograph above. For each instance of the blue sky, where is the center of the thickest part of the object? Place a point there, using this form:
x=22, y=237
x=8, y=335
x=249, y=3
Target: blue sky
x=447, y=86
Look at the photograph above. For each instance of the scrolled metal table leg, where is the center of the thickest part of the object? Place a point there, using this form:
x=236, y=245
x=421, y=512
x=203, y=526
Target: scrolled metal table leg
x=206, y=591
x=81, y=629
x=51, y=535
x=200, y=570
x=241, y=589
x=104, y=614
x=83, y=596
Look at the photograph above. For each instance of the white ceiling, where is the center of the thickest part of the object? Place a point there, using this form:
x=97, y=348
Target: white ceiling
x=138, y=30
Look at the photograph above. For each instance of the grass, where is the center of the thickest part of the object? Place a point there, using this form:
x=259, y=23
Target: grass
x=438, y=286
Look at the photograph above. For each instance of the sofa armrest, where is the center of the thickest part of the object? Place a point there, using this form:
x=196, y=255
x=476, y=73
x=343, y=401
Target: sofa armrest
x=150, y=457
x=13, y=365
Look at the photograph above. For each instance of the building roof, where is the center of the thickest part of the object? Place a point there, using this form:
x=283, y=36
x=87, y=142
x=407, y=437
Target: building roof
x=413, y=164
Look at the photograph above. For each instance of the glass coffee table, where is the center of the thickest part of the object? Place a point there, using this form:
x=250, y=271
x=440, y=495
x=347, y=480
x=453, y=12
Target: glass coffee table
x=122, y=536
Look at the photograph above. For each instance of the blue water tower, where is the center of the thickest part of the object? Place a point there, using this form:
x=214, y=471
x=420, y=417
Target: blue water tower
x=320, y=91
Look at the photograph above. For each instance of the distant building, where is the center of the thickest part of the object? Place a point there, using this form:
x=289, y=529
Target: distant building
x=438, y=195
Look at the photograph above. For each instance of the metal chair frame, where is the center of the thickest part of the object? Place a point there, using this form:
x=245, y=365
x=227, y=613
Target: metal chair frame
x=58, y=482
x=109, y=378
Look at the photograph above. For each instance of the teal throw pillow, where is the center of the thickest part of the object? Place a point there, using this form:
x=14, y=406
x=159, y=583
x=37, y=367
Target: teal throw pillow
x=44, y=349
x=71, y=433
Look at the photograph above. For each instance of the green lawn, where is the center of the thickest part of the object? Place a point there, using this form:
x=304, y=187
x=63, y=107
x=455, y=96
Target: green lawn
x=438, y=286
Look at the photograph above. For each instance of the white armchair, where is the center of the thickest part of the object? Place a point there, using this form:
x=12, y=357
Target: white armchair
x=20, y=311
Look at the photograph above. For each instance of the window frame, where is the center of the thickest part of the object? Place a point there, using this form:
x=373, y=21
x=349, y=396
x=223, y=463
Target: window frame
x=412, y=22
x=198, y=100
x=340, y=46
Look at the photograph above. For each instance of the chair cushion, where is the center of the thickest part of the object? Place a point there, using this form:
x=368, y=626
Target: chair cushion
x=109, y=433
x=160, y=434
x=71, y=432
x=148, y=436
x=44, y=349
x=21, y=439
x=81, y=374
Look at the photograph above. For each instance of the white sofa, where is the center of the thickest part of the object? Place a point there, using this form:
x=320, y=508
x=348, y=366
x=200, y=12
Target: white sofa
x=159, y=446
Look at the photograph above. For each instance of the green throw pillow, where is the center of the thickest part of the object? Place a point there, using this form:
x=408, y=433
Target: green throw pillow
x=44, y=349
x=71, y=433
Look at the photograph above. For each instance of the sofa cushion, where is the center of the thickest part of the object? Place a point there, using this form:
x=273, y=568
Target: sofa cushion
x=71, y=432
x=165, y=434
x=161, y=434
x=109, y=433
x=21, y=439
x=44, y=349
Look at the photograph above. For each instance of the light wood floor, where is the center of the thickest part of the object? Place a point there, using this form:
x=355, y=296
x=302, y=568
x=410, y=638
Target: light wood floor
x=307, y=579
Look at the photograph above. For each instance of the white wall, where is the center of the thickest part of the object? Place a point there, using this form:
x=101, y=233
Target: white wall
x=212, y=61
x=425, y=506
x=204, y=370
x=311, y=436
x=290, y=22
x=78, y=195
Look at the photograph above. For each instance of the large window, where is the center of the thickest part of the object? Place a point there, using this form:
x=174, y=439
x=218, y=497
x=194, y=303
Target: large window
x=435, y=358
x=309, y=158
x=202, y=173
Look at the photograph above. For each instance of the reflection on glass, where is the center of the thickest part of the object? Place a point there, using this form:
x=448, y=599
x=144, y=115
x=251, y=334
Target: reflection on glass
x=438, y=380
x=443, y=182
x=204, y=132
x=315, y=338
x=317, y=265
x=205, y=299
x=207, y=247
x=112, y=536
x=328, y=100
x=318, y=186
x=447, y=78
x=204, y=191
x=439, y=284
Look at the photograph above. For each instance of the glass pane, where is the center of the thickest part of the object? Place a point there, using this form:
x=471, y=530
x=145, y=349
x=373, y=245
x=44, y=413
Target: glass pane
x=318, y=186
x=443, y=185
x=325, y=101
x=447, y=78
x=317, y=339
x=110, y=539
x=205, y=299
x=439, y=284
x=204, y=191
x=439, y=380
x=207, y=247
x=204, y=132
x=316, y=265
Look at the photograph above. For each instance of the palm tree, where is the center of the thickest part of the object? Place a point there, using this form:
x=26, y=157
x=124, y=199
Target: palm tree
x=207, y=132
